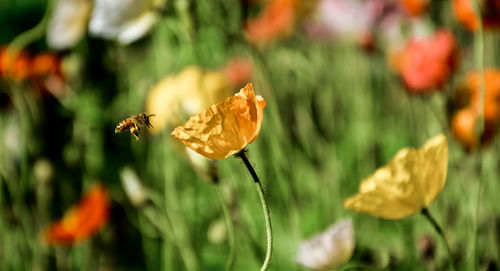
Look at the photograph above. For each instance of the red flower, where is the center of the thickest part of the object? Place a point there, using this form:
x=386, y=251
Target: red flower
x=81, y=221
x=238, y=70
x=426, y=64
x=275, y=20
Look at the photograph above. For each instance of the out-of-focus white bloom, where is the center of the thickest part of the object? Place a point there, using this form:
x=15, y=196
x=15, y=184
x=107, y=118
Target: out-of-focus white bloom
x=135, y=191
x=330, y=249
x=350, y=18
x=123, y=20
x=68, y=23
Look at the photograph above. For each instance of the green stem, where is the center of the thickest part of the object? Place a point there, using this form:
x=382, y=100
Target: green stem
x=265, y=209
x=230, y=230
x=33, y=34
x=180, y=227
x=480, y=124
x=439, y=230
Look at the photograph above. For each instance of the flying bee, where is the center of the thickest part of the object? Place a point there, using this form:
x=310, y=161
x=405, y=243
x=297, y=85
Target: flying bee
x=134, y=124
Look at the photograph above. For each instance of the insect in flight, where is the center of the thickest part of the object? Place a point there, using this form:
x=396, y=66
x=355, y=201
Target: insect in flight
x=134, y=124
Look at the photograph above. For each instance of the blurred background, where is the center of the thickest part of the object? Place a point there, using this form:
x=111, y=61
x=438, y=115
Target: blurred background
x=347, y=83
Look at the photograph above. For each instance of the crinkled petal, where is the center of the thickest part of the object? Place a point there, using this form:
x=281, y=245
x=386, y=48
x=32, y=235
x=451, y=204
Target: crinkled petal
x=226, y=127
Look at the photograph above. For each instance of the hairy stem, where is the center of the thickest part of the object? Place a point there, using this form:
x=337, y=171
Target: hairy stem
x=439, y=230
x=265, y=209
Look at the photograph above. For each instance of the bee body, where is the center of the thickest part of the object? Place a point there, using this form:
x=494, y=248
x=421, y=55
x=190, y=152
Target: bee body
x=134, y=124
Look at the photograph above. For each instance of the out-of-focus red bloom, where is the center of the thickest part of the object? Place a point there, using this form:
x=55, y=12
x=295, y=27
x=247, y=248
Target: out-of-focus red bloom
x=464, y=120
x=465, y=14
x=414, y=7
x=81, y=221
x=14, y=65
x=237, y=71
x=274, y=21
x=426, y=64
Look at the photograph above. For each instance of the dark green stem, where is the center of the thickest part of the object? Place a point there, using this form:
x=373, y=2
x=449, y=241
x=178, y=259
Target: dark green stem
x=439, y=230
x=265, y=208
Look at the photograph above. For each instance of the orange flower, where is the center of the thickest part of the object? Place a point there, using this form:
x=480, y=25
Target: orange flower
x=426, y=64
x=465, y=14
x=464, y=120
x=14, y=65
x=492, y=93
x=463, y=126
x=46, y=64
x=226, y=127
x=275, y=20
x=81, y=221
x=414, y=7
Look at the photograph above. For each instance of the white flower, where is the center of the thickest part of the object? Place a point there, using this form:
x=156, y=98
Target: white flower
x=330, y=249
x=68, y=23
x=123, y=20
x=134, y=190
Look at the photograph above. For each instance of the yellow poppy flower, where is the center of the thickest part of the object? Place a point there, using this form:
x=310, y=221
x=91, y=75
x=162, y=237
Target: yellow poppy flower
x=410, y=182
x=226, y=127
x=187, y=93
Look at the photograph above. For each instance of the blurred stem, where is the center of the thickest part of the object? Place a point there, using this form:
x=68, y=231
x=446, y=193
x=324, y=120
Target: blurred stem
x=158, y=221
x=33, y=34
x=480, y=125
x=265, y=209
x=439, y=230
x=183, y=7
x=230, y=229
x=180, y=227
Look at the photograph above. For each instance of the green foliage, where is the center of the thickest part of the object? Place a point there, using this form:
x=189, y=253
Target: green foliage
x=335, y=113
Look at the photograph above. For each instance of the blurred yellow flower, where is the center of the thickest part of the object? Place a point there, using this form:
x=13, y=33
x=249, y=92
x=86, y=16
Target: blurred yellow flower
x=410, y=182
x=177, y=97
x=330, y=249
x=226, y=127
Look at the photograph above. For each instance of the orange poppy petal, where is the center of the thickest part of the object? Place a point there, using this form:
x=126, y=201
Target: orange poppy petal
x=226, y=127
x=275, y=20
x=81, y=221
x=464, y=12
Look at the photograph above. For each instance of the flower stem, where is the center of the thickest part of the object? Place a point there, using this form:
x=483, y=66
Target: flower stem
x=265, y=209
x=230, y=229
x=439, y=230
